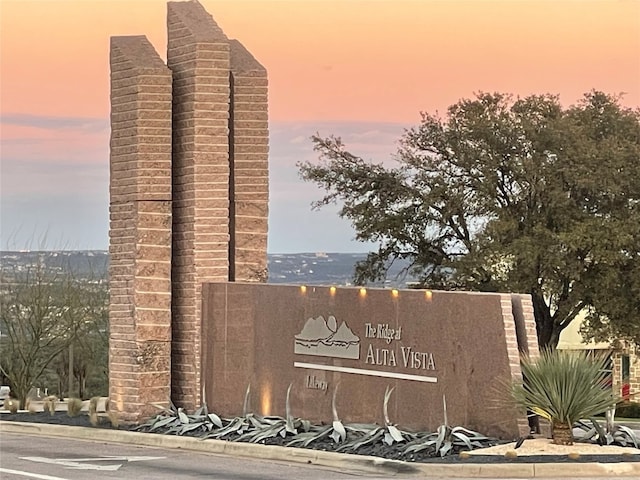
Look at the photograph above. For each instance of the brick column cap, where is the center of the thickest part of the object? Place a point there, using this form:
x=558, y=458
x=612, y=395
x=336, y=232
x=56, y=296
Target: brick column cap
x=197, y=20
x=242, y=61
x=138, y=50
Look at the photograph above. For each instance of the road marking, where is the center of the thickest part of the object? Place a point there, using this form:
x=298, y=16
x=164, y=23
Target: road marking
x=28, y=474
x=79, y=463
x=362, y=371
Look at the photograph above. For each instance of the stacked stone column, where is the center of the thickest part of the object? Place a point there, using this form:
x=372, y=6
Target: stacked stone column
x=189, y=200
x=198, y=56
x=140, y=228
x=249, y=166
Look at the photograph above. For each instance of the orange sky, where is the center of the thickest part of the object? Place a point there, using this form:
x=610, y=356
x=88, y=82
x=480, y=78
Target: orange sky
x=362, y=70
x=337, y=60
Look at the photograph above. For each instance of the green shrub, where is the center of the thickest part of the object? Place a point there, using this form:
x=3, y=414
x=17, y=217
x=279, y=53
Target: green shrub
x=563, y=387
x=628, y=410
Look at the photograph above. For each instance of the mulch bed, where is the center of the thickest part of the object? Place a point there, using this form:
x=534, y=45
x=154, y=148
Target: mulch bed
x=59, y=418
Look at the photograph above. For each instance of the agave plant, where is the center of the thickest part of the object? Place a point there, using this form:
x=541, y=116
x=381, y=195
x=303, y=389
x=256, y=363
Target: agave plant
x=175, y=421
x=617, y=435
x=269, y=427
x=239, y=425
x=337, y=431
x=368, y=434
x=563, y=387
x=446, y=438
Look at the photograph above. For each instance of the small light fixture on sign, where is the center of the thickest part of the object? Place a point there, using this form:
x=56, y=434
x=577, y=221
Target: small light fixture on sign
x=428, y=294
x=332, y=291
x=363, y=292
x=303, y=289
x=395, y=293
x=265, y=400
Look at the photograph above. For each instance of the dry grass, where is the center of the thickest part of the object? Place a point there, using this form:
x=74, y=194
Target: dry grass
x=12, y=405
x=49, y=404
x=114, y=418
x=74, y=406
x=93, y=411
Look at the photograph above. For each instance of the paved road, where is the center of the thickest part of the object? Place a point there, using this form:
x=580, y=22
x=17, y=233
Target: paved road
x=28, y=456
x=47, y=458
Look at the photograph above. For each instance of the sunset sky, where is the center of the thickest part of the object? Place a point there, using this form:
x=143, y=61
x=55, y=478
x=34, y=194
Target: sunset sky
x=362, y=70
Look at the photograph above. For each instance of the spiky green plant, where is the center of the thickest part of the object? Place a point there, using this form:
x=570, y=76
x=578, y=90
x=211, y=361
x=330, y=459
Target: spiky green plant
x=563, y=387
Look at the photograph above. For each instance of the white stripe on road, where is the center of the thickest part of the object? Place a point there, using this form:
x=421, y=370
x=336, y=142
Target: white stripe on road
x=76, y=465
x=31, y=475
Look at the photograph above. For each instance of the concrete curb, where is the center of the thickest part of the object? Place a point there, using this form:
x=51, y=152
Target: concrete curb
x=362, y=463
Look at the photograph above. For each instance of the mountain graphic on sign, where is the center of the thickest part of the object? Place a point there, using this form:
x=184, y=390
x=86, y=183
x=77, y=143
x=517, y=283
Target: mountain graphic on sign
x=321, y=337
x=315, y=330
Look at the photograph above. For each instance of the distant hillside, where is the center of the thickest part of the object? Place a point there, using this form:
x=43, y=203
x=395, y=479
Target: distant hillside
x=322, y=269
x=293, y=268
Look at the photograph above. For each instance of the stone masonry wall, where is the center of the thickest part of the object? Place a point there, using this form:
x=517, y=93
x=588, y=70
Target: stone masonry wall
x=189, y=199
x=521, y=337
x=198, y=56
x=140, y=228
x=634, y=372
x=249, y=167
x=634, y=375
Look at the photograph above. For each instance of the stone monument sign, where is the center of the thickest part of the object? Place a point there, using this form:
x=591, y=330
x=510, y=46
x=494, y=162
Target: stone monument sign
x=190, y=318
x=426, y=344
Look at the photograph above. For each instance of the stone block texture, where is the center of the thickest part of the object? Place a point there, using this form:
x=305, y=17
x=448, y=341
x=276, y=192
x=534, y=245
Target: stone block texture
x=220, y=176
x=189, y=196
x=249, y=153
x=521, y=337
x=140, y=228
x=198, y=56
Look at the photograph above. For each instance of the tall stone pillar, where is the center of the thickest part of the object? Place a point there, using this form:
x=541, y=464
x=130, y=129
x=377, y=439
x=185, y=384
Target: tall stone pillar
x=198, y=56
x=249, y=159
x=139, y=229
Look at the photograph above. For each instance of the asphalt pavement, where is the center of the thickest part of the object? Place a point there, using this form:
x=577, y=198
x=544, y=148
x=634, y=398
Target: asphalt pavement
x=54, y=452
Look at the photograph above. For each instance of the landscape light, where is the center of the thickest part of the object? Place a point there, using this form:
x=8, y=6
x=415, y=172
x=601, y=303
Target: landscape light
x=428, y=294
x=363, y=292
x=303, y=289
x=265, y=400
x=395, y=292
x=332, y=290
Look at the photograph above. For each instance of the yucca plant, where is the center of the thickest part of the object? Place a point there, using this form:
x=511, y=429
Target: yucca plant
x=563, y=387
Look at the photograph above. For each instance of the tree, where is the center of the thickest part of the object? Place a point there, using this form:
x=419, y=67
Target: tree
x=87, y=353
x=505, y=195
x=43, y=309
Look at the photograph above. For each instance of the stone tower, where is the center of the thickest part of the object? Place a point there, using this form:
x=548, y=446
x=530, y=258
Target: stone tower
x=188, y=199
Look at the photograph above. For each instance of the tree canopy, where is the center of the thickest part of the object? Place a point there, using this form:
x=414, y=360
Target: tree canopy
x=43, y=310
x=504, y=194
